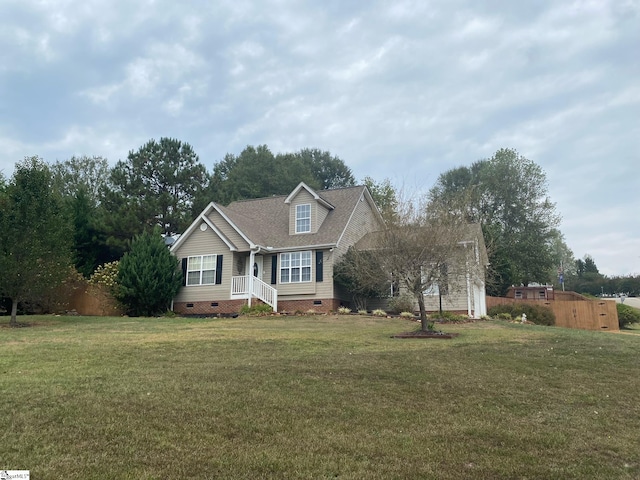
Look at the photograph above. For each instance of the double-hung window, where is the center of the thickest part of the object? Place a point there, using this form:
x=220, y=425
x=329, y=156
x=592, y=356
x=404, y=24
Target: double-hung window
x=201, y=270
x=295, y=267
x=303, y=218
x=439, y=284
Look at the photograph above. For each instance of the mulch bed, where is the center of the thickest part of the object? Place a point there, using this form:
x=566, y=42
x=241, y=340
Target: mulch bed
x=423, y=334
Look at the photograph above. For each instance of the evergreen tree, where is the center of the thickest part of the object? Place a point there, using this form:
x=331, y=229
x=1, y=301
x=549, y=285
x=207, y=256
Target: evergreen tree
x=89, y=238
x=157, y=185
x=80, y=181
x=148, y=276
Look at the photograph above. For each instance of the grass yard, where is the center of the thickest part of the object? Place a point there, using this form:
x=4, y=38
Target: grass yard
x=315, y=397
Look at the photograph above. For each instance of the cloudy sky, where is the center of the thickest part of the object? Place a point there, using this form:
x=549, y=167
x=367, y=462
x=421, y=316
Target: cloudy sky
x=404, y=89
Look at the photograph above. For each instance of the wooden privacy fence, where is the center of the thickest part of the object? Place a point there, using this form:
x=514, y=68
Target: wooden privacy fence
x=94, y=300
x=572, y=310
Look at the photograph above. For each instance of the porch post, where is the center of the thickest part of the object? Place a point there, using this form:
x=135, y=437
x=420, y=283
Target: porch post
x=252, y=260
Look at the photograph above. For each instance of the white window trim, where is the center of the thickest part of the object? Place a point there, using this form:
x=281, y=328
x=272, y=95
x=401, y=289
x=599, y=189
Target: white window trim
x=298, y=218
x=433, y=289
x=201, y=270
x=287, y=258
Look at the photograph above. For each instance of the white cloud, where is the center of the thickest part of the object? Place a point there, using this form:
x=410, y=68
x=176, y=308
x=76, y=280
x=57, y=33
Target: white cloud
x=404, y=90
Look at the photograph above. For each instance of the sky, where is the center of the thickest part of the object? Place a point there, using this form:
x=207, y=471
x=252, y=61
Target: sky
x=402, y=89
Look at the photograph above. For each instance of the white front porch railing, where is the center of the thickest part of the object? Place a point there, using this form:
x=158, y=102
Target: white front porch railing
x=240, y=288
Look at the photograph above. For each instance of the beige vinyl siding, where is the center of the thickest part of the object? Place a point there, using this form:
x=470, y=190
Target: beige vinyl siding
x=305, y=288
x=324, y=289
x=455, y=299
x=206, y=243
x=240, y=261
x=228, y=231
x=363, y=221
x=321, y=214
x=303, y=197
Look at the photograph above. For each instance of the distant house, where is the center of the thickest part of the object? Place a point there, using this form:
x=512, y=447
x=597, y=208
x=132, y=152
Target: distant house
x=279, y=250
x=531, y=292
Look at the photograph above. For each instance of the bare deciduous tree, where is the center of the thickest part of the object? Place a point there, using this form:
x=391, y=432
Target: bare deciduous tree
x=419, y=248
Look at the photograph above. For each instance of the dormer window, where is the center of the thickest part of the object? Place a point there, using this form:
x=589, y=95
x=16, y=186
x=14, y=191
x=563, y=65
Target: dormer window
x=303, y=218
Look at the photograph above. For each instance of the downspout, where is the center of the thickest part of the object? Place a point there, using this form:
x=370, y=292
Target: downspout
x=466, y=261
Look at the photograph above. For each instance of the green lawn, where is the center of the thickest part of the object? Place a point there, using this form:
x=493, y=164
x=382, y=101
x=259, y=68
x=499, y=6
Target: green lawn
x=315, y=397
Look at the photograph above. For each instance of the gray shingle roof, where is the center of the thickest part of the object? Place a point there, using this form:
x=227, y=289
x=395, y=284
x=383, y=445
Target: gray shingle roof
x=265, y=221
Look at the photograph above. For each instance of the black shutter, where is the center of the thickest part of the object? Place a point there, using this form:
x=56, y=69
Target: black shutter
x=274, y=269
x=218, y=269
x=184, y=271
x=319, y=262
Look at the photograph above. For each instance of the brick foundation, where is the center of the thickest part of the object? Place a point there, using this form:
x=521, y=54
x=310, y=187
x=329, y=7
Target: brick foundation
x=220, y=307
x=326, y=305
x=227, y=307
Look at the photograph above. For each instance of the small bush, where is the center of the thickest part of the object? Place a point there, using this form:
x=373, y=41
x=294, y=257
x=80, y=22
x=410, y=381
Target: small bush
x=450, y=317
x=537, y=314
x=407, y=315
x=362, y=312
x=260, y=310
x=402, y=303
x=344, y=310
x=379, y=313
x=627, y=315
x=504, y=316
x=106, y=275
x=311, y=311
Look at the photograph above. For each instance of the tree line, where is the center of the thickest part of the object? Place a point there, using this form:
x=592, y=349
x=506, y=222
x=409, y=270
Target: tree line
x=83, y=213
x=164, y=184
x=583, y=276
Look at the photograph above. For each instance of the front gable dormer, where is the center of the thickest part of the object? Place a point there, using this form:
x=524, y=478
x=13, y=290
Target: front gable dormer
x=307, y=210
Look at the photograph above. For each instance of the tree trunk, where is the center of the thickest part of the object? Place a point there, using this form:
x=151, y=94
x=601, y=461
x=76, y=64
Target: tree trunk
x=14, y=312
x=423, y=313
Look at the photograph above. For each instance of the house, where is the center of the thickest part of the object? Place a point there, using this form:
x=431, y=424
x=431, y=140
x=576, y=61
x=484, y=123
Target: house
x=279, y=250
x=465, y=291
x=531, y=292
x=462, y=286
